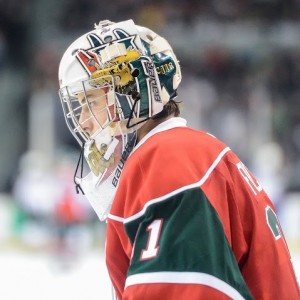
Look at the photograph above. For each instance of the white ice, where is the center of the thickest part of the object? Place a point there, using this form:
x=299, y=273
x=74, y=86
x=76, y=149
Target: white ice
x=36, y=276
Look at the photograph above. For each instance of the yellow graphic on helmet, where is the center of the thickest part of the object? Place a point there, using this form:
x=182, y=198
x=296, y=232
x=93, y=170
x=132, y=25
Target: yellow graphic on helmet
x=118, y=69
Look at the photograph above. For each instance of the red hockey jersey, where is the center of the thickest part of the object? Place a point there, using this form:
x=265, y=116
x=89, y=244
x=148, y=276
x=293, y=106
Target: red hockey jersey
x=189, y=221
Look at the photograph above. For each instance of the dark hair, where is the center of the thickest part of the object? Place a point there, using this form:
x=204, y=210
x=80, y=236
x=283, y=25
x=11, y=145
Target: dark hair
x=170, y=108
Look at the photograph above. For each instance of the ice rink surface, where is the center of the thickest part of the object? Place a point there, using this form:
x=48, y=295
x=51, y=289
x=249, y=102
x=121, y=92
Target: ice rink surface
x=37, y=276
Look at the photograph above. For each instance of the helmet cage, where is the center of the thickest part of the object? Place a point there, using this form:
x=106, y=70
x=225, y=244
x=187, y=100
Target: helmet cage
x=86, y=99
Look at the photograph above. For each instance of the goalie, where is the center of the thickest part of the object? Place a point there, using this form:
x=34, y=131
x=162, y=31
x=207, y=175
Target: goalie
x=185, y=218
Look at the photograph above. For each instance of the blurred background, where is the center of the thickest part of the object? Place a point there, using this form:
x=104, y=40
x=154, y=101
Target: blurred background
x=241, y=82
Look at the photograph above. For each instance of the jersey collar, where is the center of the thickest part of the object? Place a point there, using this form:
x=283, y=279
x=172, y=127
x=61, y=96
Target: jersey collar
x=166, y=125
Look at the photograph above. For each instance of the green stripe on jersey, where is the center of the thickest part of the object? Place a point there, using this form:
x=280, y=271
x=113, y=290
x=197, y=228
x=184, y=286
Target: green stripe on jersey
x=184, y=234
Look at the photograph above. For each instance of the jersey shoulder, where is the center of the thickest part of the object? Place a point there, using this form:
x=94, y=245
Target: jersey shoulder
x=180, y=143
x=167, y=162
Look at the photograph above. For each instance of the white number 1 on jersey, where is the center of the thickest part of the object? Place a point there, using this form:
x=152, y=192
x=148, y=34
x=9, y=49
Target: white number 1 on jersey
x=152, y=248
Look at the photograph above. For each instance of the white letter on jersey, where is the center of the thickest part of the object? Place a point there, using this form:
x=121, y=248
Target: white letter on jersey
x=253, y=184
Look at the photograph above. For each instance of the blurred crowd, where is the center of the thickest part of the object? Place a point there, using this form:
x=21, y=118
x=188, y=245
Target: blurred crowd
x=241, y=70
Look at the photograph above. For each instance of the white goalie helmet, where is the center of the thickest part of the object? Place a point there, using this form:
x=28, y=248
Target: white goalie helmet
x=112, y=79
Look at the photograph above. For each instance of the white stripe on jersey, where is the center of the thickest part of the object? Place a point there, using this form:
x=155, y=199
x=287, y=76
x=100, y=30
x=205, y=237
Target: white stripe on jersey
x=184, y=278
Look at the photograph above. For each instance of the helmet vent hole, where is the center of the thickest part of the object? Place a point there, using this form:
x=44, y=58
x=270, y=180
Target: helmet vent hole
x=135, y=73
x=74, y=51
x=149, y=37
x=91, y=62
x=108, y=39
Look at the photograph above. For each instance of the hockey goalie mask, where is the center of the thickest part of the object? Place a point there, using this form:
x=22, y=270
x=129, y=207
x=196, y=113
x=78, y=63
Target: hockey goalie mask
x=112, y=79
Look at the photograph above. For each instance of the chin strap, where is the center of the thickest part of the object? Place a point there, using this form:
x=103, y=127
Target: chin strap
x=80, y=162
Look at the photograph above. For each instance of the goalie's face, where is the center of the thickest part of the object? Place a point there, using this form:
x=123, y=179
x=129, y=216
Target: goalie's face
x=88, y=109
x=93, y=111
